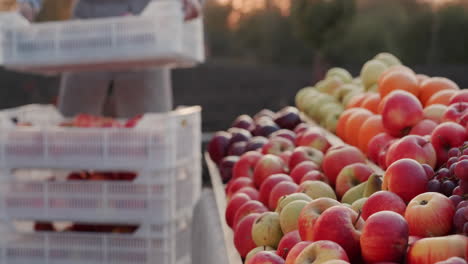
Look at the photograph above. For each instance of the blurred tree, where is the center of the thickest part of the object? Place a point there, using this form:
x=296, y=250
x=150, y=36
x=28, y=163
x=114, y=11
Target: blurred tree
x=220, y=40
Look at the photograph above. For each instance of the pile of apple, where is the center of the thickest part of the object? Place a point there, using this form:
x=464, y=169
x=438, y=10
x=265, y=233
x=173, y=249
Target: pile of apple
x=86, y=120
x=295, y=198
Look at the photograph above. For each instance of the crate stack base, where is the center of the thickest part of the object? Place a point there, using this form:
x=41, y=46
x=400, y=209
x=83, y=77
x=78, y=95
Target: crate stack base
x=163, y=150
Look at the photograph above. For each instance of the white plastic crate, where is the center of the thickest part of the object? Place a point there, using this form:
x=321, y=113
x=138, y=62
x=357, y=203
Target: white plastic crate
x=151, y=244
x=159, y=37
x=157, y=198
x=160, y=141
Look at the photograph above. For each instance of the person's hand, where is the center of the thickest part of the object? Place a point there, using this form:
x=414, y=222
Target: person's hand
x=192, y=9
x=27, y=11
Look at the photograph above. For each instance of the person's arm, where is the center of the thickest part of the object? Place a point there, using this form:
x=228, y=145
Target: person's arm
x=29, y=8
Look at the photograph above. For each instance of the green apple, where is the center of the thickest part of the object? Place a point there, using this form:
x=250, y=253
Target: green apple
x=344, y=89
x=358, y=204
x=301, y=94
x=349, y=96
x=339, y=73
x=286, y=199
x=329, y=108
x=374, y=88
x=290, y=214
x=357, y=81
x=313, y=105
x=317, y=189
x=266, y=231
x=387, y=58
x=329, y=86
x=371, y=71
x=331, y=121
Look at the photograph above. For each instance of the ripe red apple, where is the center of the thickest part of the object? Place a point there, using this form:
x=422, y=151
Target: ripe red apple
x=350, y=176
x=295, y=251
x=233, y=205
x=264, y=113
x=342, y=225
x=249, y=207
x=238, y=135
x=243, y=235
x=256, y=143
x=309, y=215
x=423, y=128
x=301, y=154
x=245, y=122
x=430, y=214
x=314, y=176
x=339, y=157
x=302, y=127
x=455, y=111
x=446, y=136
x=277, y=145
x=237, y=149
x=435, y=112
x=321, y=251
x=250, y=191
x=401, y=111
x=384, y=238
x=286, y=243
x=288, y=118
x=412, y=147
x=218, y=146
x=383, y=201
x=245, y=166
x=434, y=249
x=266, y=166
x=339, y=261
x=286, y=156
x=266, y=257
x=460, y=97
x=225, y=167
x=407, y=178
x=264, y=126
x=377, y=144
x=237, y=184
x=280, y=189
x=453, y=260
x=302, y=169
x=314, y=138
x=269, y=184
x=285, y=133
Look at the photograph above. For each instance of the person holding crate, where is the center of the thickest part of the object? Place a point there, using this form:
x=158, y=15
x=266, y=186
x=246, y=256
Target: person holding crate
x=135, y=91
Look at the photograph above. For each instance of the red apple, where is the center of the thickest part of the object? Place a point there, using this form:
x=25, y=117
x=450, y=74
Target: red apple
x=233, y=205
x=225, y=167
x=266, y=257
x=218, y=146
x=264, y=126
x=377, y=144
x=434, y=249
x=301, y=154
x=237, y=149
x=295, y=251
x=350, y=176
x=266, y=166
x=288, y=117
x=245, y=122
x=286, y=243
x=455, y=111
x=430, y=214
x=246, y=165
x=446, y=136
x=342, y=225
x=256, y=143
x=302, y=127
x=401, y=111
x=460, y=97
x=383, y=201
x=302, y=169
x=314, y=176
x=238, y=135
x=237, y=184
x=453, y=260
x=435, y=112
x=250, y=191
x=412, y=147
x=309, y=215
x=269, y=184
x=243, y=235
x=407, y=178
x=264, y=113
x=320, y=252
x=315, y=139
x=423, y=128
x=285, y=133
x=286, y=156
x=384, y=237
x=277, y=145
x=281, y=189
x=339, y=157
x=249, y=207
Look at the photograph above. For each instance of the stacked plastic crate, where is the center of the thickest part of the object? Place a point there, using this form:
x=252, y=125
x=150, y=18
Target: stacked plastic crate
x=143, y=217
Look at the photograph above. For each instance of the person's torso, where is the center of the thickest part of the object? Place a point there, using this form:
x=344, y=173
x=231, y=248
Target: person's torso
x=108, y=8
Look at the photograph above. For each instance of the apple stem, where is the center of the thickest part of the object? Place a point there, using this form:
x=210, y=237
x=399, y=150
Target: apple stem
x=357, y=219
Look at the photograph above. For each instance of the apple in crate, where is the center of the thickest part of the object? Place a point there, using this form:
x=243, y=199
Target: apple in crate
x=266, y=257
x=383, y=201
x=251, y=192
x=256, y=143
x=219, y=145
x=264, y=126
x=314, y=138
x=337, y=158
x=280, y=189
x=225, y=167
x=250, y=207
x=435, y=112
x=266, y=230
x=413, y=147
x=237, y=149
x=285, y=133
x=239, y=135
x=455, y=111
x=264, y=113
x=346, y=225
x=246, y=165
x=317, y=189
x=446, y=136
x=266, y=166
x=288, y=118
x=286, y=243
x=268, y=185
x=320, y=252
x=301, y=154
x=434, y=249
x=301, y=169
x=423, y=128
x=407, y=178
x=236, y=184
x=453, y=260
x=384, y=238
x=401, y=111
x=254, y=251
x=309, y=215
x=350, y=176
x=243, y=235
x=277, y=145
x=233, y=205
x=244, y=122
x=377, y=144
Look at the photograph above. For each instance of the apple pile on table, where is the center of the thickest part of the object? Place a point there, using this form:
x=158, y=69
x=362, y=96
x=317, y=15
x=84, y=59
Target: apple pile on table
x=298, y=199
